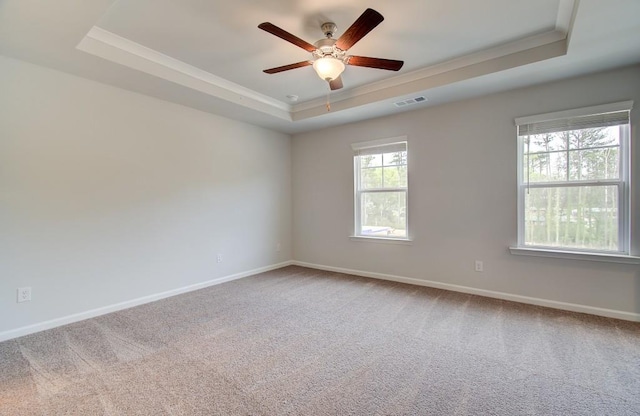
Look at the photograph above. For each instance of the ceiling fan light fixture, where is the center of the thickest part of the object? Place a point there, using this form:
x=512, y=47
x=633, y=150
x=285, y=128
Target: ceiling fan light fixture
x=330, y=55
x=328, y=68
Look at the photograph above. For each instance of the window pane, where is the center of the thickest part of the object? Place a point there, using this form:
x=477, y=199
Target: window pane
x=370, y=160
x=545, y=167
x=594, y=164
x=547, y=142
x=395, y=177
x=384, y=214
x=371, y=178
x=394, y=159
x=588, y=138
x=402, y=173
x=538, y=166
x=593, y=154
x=584, y=217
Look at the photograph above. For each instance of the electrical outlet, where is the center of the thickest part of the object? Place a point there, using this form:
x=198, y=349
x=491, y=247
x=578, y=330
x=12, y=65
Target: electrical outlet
x=278, y=247
x=24, y=294
x=219, y=258
x=479, y=266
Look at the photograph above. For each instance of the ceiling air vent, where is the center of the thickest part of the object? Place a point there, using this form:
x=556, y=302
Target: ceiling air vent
x=410, y=101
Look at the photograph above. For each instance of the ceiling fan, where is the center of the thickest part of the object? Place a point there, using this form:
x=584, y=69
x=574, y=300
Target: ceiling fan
x=330, y=55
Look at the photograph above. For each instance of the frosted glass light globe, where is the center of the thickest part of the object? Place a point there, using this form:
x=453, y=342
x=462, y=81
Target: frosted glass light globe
x=328, y=68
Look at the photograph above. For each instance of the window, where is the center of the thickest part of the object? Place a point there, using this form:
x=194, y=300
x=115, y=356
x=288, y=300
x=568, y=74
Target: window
x=380, y=174
x=573, y=180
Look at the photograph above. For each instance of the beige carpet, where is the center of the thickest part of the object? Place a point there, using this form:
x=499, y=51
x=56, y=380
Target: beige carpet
x=297, y=341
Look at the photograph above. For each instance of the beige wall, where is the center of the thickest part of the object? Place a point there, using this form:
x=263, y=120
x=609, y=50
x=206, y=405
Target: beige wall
x=108, y=195
x=462, y=197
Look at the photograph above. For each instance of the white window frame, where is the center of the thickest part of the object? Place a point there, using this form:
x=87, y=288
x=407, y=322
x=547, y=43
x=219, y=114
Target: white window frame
x=622, y=255
x=357, y=228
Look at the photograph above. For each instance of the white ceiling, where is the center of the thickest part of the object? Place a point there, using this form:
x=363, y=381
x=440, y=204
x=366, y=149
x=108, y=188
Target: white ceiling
x=210, y=54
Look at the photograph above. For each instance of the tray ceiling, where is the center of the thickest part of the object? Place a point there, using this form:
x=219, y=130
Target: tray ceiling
x=210, y=55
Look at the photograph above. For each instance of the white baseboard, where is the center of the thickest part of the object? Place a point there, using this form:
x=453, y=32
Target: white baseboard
x=53, y=323
x=573, y=307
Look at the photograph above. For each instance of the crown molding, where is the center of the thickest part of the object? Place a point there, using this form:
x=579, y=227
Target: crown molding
x=112, y=47
x=567, y=10
x=540, y=47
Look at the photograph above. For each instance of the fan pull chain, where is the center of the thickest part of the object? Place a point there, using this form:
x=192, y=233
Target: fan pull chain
x=328, y=103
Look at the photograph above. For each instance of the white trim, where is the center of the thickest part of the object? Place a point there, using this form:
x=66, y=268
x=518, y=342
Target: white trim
x=107, y=45
x=566, y=15
x=383, y=240
x=624, y=192
x=573, y=307
x=53, y=323
x=472, y=63
x=521, y=188
x=577, y=112
x=109, y=38
x=575, y=255
x=379, y=142
x=573, y=184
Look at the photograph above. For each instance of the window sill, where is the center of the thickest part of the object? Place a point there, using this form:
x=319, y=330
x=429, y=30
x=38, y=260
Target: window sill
x=382, y=240
x=575, y=255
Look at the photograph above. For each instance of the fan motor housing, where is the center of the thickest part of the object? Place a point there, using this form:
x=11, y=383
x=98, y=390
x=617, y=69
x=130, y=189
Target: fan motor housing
x=326, y=47
x=329, y=29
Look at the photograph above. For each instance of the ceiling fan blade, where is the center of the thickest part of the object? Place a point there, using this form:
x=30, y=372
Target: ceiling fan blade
x=287, y=67
x=363, y=25
x=283, y=34
x=336, y=84
x=379, y=63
